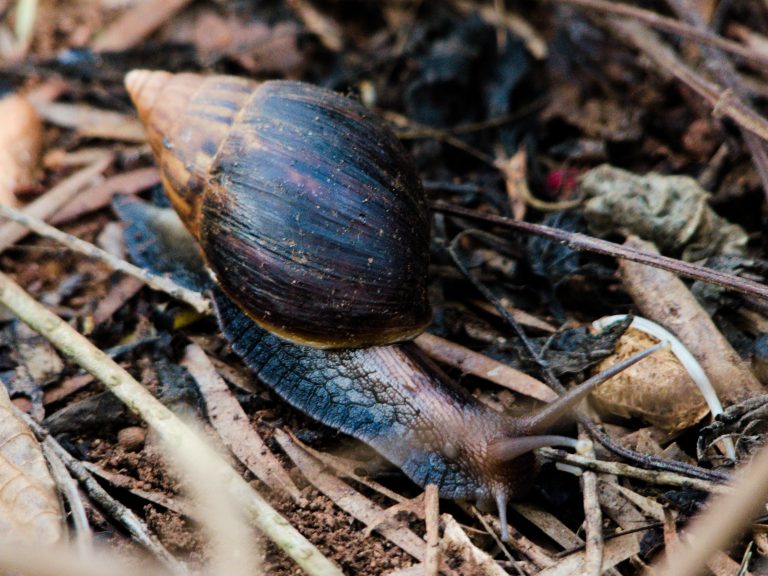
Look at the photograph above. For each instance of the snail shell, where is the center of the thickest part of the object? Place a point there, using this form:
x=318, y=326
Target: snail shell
x=307, y=208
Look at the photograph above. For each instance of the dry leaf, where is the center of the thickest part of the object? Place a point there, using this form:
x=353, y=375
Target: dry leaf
x=671, y=211
x=29, y=507
x=657, y=390
x=21, y=140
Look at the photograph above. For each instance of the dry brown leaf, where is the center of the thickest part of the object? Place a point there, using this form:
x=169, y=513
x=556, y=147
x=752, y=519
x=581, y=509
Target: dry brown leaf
x=658, y=389
x=471, y=362
x=101, y=195
x=21, y=140
x=549, y=524
x=30, y=512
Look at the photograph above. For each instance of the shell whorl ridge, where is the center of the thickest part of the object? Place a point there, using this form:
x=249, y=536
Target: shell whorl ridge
x=307, y=207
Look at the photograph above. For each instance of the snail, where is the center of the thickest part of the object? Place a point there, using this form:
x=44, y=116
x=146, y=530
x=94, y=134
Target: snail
x=306, y=206
x=311, y=216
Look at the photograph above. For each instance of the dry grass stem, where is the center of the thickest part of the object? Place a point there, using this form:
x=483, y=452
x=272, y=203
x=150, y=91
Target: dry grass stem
x=68, y=489
x=723, y=521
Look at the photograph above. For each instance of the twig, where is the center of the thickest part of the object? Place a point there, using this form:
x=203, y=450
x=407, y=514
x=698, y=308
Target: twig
x=74, y=345
x=68, y=487
x=663, y=297
x=432, y=514
x=621, y=469
x=471, y=362
x=593, y=517
x=723, y=70
x=674, y=26
x=587, y=243
x=161, y=283
x=124, y=515
x=723, y=101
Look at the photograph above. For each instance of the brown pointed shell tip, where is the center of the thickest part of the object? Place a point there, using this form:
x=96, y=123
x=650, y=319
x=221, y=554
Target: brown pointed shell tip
x=144, y=86
x=147, y=88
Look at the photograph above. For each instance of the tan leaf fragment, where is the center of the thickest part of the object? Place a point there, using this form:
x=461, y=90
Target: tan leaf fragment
x=21, y=141
x=30, y=512
x=658, y=390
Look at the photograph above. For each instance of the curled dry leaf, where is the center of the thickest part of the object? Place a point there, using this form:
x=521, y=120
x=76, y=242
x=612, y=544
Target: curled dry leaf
x=671, y=211
x=30, y=512
x=21, y=140
x=657, y=390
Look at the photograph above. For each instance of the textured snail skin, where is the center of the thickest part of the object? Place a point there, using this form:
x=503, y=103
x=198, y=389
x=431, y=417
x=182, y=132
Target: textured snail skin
x=435, y=432
x=306, y=206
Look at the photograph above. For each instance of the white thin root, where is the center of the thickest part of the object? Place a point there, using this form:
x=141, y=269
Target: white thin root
x=685, y=357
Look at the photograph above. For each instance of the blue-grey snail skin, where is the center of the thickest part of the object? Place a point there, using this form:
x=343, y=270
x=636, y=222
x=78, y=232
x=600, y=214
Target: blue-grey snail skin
x=312, y=217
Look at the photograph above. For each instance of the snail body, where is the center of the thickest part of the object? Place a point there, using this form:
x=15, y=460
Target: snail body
x=346, y=234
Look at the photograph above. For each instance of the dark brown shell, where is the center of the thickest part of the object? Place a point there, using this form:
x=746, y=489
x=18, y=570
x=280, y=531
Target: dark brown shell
x=308, y=209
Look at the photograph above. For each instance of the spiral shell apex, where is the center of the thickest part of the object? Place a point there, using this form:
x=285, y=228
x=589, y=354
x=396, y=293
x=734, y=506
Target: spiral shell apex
x=306, y=206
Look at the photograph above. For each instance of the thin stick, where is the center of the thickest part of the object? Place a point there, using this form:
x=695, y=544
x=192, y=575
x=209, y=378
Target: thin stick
x=68, y=488
x=75, y=346
x=674, y=26
x=593, y=517
x=432, y=514
x=722, y=69
x=45, y=206
x=124, y=515
x=621, y=469
x=161, y=283
x=578, y=241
